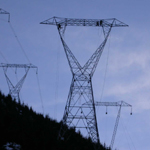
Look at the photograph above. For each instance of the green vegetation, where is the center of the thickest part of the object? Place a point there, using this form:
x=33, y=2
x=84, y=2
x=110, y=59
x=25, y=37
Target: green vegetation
x=32, y=131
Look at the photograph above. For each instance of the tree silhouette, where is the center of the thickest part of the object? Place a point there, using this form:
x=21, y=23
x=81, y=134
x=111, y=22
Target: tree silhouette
x=20, y=124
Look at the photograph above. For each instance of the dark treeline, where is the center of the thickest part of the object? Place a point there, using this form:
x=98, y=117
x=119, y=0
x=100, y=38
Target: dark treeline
x=21, y=125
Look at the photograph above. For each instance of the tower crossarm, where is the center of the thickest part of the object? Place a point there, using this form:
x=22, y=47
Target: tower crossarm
x=2, y=11
x=18, y=65
x=120, y=103
x=113, y=22
x=25, y=66
x=104, y=23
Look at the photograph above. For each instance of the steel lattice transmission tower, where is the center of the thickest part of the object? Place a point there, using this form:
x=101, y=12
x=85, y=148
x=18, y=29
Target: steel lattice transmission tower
x=119, y=104
x=15, y=89
x=76, y=115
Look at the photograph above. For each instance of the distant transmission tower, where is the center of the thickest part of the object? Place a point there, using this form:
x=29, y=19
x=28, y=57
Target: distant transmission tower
x=14, y=90
x=77, y=115
x=2, y=11
x=110, y=104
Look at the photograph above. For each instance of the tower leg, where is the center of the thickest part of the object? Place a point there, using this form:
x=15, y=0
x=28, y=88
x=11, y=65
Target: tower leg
x=76, y=115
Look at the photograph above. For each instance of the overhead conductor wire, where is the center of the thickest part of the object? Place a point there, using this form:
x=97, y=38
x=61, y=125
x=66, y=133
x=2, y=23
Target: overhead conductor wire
x=106, y=68
x=3, y=57
x=127, y=133
x=15, y=35
x=57, y=79
x=0, y=51
x=11, y=27
x=5, y=21
x=103, y=85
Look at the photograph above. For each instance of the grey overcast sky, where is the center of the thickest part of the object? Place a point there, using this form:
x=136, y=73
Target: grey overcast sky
x=127, y=52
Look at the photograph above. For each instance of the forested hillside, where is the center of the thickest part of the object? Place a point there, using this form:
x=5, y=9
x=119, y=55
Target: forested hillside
x=32, y=131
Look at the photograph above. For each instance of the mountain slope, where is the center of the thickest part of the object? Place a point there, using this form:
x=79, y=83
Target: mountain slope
x=32, y=131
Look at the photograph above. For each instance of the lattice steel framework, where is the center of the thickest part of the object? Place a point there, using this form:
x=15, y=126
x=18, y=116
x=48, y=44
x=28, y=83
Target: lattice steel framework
x=76, y=115
x=14, y=90
x=2, y=11
x=119, y=104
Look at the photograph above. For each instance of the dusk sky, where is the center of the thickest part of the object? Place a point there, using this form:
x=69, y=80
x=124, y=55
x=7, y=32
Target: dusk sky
x=125, y=60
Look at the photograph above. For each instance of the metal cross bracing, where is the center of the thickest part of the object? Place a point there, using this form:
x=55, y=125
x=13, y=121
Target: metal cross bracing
x=81, y=91
x=15, y=89
x=119, y=104
x=2, y=11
